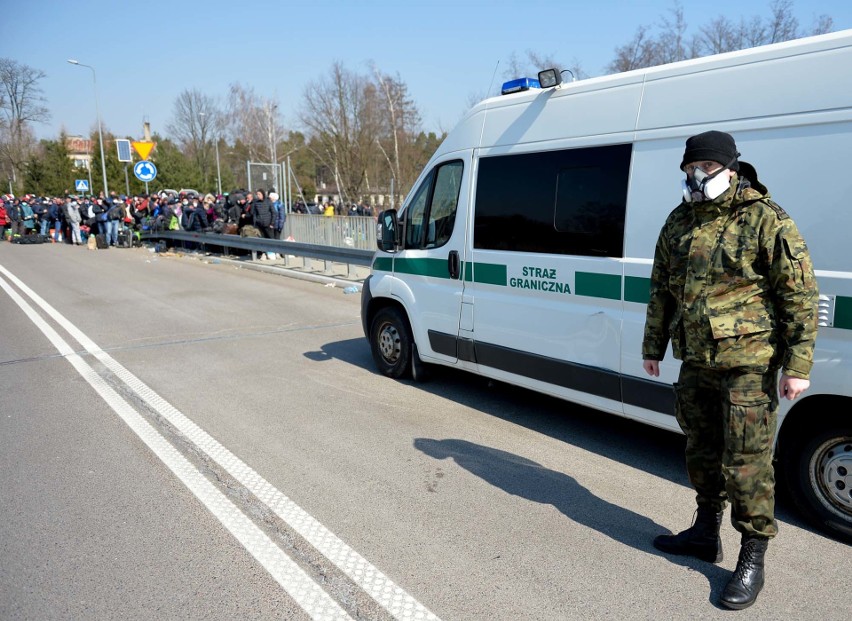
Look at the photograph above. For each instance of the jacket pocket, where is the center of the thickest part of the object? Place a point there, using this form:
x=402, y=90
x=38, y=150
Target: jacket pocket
x=741, y=341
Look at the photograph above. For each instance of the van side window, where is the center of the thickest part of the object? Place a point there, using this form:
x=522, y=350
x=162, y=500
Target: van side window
x=571, y=201
x=431, y=214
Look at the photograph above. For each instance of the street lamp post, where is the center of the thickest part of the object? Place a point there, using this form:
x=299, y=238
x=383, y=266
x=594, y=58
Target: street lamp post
x=216, y=142
x=273, y=135
x=100, y=131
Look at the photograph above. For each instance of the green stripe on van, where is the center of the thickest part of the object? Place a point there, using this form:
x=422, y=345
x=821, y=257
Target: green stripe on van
x=843, y=313
x=637, y=289
x=436, y=268
x=490, y=274
x=589, y=284
x=595, y=285
x=383, y=264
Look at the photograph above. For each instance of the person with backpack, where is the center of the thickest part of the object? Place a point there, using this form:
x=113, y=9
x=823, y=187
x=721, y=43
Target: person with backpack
x=74, y=217
x=114, y=215
x=101, y=211
x=41, y=221
x=16, y=219
x=263, y=215
x=280, y=216
x=170, y=220
x=194, y=217
x=54, y=218
x=28, y=217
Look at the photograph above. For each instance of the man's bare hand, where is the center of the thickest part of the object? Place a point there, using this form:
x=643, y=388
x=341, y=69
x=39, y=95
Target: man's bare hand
x=652, y=367
x=792, y=387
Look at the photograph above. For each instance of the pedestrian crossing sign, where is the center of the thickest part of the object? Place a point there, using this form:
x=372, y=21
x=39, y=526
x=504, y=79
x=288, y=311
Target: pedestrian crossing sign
x=81, y=185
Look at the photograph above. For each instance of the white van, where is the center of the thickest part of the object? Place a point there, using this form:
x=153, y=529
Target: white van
x=523, y=252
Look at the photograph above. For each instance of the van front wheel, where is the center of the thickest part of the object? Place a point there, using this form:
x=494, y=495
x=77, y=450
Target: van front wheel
x=391, y=343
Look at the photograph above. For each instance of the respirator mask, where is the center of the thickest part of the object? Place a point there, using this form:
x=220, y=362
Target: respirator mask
x=701, y=186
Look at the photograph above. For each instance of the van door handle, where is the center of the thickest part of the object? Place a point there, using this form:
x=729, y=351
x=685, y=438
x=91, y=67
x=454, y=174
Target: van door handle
x=453, y=264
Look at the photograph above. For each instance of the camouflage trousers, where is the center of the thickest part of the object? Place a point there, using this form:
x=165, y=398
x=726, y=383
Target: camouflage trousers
x=729, y=418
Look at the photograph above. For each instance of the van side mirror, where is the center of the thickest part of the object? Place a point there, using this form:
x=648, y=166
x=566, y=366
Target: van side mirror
x=387, y=232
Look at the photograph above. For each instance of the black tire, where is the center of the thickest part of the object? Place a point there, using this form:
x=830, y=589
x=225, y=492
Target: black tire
x=391, y=342
x=818, y=471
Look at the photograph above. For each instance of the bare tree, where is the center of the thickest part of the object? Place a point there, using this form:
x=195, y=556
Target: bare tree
x=341, y=115
x=822, y=25
x=399, y=124
x=194, y=126
x=752, y=32
x=670, y=43
x=782, y=26
x=254, y=123
x=21, y=102
x=641, y=51
x=245, y=123
x=718, y=36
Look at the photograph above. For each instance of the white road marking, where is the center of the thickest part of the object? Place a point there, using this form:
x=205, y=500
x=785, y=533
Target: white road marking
x=377, y=585
x=298, y=584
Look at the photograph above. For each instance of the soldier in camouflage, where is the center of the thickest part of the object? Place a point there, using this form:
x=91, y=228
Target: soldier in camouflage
x=733, y=289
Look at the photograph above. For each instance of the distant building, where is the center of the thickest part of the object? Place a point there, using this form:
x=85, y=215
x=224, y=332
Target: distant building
x=80, y=151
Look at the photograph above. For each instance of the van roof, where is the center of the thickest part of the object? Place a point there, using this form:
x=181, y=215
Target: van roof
x=668, y=100
x=804, y=45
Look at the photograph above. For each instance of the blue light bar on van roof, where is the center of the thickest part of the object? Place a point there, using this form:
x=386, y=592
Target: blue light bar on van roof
x=521, y=84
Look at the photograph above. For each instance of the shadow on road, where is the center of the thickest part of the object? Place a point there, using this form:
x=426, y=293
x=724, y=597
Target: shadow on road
x=527, y=479
x=641, y=446
x=524, y=478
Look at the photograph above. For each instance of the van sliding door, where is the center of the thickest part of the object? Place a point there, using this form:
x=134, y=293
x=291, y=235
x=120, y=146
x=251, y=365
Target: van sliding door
x=546, y=270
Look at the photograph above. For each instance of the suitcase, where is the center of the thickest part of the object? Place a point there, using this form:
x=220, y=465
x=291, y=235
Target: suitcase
x=101, y=242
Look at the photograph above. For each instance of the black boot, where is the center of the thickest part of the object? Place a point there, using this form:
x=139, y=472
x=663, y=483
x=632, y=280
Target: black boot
x=701, y=540
x=747, y=580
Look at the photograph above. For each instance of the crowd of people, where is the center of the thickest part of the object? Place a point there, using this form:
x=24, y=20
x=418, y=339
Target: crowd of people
x=330, y=209
x=72, y=219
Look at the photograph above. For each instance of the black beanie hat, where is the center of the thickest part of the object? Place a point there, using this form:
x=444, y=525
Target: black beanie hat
x=714, y=146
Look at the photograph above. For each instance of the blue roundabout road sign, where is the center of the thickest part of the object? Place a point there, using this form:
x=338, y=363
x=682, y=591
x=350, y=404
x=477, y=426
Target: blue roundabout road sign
x=145, y=171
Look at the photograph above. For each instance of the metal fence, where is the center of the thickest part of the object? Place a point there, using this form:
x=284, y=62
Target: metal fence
x=262, y=176
x=336, y=231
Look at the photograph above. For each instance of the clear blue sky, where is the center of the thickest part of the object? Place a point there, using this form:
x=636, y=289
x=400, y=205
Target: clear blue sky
x=146, y=52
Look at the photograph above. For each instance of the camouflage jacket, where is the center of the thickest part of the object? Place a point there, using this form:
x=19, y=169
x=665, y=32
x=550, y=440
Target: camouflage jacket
x=733, y=286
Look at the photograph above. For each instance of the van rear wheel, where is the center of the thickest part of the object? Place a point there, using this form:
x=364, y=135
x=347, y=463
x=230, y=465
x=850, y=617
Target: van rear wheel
x=391, y=342
x=819, y=476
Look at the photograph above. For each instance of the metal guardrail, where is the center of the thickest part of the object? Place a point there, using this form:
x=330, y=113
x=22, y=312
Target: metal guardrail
x=350, y=256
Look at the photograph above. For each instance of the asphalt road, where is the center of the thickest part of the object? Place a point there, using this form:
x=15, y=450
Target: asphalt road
x=185, y=439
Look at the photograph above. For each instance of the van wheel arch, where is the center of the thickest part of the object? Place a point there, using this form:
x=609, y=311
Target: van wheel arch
x=815, y=460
